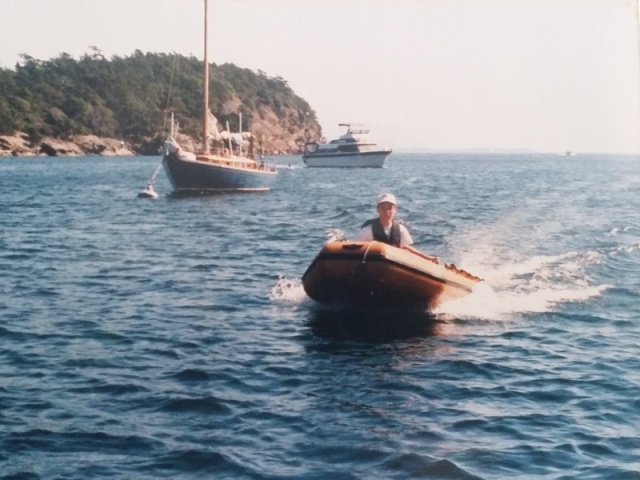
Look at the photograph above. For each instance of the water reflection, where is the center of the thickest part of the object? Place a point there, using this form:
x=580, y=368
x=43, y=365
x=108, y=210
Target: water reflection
x=210, y=193
x=372, y=326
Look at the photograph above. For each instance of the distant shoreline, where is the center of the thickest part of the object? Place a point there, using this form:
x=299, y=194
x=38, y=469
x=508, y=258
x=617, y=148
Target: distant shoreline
x=20, y=145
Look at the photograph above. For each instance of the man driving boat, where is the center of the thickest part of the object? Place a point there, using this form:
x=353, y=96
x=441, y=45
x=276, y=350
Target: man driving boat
x=385, y=228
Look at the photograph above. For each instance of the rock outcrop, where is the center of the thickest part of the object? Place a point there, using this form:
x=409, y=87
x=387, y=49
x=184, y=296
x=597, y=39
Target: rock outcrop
x=19, y=144
x=15, y=145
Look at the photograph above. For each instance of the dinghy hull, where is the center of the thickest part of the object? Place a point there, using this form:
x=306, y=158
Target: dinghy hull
x=377, y=275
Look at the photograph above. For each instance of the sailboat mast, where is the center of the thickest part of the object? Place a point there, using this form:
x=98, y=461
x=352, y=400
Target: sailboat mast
x=205, y=109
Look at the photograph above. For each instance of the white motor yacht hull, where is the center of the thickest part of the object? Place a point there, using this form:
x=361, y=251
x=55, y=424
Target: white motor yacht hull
x=347, y=160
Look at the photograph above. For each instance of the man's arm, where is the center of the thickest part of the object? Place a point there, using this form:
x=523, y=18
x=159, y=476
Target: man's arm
x=423, y=255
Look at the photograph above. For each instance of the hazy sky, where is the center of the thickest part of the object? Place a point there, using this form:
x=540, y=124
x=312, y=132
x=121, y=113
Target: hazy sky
x=547, y=75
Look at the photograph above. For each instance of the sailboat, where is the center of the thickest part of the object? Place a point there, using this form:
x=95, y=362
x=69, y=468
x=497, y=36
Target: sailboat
x=214, y=170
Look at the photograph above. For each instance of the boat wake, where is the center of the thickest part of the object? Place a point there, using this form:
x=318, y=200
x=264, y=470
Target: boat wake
x=533, y=285
x=527, y=285
x=335, y=235
x=288, y=291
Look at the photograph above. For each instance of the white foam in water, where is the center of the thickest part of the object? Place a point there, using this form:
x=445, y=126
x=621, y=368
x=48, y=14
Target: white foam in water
x=335, y=235
x=535, y=284
x=487, y=303
x=289, y=291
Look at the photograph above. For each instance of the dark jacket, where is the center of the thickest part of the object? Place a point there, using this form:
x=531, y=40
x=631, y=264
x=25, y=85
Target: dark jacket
x=379, y=234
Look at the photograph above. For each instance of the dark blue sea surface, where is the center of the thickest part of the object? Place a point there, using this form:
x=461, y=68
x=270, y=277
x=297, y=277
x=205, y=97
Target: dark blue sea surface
x=171, y=338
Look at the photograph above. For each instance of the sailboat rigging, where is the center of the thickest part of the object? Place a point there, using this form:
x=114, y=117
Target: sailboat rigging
x=220, y=170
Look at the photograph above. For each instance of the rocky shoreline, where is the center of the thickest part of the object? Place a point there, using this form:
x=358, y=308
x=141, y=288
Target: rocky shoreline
x=20, y=145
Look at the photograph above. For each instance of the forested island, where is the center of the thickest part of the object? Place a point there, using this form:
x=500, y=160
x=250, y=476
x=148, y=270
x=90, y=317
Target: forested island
x=97, y=106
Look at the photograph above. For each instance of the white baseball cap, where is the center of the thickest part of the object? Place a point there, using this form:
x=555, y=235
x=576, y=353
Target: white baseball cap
x=387, y=197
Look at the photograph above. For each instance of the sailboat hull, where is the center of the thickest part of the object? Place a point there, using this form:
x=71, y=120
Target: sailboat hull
x=210, y=174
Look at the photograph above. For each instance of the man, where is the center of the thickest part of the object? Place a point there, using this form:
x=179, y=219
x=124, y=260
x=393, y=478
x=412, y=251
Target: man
x=385, y=228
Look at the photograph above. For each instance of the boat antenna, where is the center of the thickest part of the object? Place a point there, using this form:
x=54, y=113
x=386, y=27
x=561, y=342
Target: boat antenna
x=229, y=139
x=169, y=94
x=205, y=113
x=240, y=132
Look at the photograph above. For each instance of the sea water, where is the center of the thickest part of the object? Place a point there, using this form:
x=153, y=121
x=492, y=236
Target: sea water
x=171, y=337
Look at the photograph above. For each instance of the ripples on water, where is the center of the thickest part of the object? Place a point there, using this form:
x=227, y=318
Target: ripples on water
x=171, y=338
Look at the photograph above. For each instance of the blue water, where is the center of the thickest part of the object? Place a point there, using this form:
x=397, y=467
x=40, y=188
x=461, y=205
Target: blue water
x=171, y=338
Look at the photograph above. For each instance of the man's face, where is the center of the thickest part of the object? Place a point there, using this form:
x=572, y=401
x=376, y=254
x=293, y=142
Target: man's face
x=386, y=211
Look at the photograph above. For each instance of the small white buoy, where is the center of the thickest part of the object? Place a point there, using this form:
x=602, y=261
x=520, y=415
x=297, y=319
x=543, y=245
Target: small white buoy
x=148, y=192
